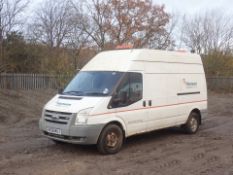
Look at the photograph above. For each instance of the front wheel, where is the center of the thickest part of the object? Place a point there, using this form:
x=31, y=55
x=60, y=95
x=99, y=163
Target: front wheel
x=193, y=123
x=110, y=140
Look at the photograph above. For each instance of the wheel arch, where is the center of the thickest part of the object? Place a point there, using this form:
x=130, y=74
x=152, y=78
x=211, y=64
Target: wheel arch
x=118, y=123
x=197, y=111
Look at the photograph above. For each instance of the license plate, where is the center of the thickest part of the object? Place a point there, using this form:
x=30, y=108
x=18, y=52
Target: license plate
x=54, y=131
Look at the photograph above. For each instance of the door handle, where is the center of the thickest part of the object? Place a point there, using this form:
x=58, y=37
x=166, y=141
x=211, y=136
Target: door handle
x=150, y=102
x=144, y=103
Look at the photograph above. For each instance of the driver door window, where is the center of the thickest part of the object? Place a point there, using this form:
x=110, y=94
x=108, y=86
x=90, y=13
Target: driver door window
x=129, y=91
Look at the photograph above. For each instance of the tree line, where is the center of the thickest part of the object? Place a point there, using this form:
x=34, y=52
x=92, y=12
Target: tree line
x=60, y=36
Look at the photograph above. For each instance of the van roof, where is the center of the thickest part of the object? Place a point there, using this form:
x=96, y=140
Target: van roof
x=126, y=60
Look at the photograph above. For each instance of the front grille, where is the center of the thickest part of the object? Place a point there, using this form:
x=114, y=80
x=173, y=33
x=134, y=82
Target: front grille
x=57, y=117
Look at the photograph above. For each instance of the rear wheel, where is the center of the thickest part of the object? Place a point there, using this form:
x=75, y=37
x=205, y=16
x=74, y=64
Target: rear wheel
x=193, y=123
x=110, y=140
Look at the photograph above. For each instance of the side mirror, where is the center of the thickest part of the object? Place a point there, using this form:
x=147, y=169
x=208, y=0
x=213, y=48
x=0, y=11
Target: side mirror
x=123, y=97
x=60, y=91
x=119, y=100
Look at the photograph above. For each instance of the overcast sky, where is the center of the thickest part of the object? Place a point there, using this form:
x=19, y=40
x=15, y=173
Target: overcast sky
x=181, y=6
x=193, y=6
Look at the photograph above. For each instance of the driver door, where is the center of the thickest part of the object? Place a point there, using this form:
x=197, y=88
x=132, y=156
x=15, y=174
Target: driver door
x=128, y=102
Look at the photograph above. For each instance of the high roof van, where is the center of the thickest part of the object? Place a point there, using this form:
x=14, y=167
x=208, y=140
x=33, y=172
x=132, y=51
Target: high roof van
x=126, y=92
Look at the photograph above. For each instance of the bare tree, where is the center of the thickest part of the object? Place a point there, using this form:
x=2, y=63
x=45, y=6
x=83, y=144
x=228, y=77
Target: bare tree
x=9, y=14
x=95, y=21
x=77, y=40
x=51, y=24
x=9, y=18
x=167, y=41
x=208, y=32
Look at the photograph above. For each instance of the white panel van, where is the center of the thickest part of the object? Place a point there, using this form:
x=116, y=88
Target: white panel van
x=126, y=92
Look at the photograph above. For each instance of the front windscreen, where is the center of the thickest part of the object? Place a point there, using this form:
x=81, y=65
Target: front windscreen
x=93, y=83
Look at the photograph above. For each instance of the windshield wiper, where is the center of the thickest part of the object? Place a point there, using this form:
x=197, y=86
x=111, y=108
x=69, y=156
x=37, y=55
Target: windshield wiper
x=74, y=93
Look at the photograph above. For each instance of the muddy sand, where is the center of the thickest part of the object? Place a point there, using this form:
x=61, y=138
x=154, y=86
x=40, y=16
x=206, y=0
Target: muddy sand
x=24, y=151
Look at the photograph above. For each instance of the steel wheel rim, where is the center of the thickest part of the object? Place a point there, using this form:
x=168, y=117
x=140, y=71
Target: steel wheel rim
x=193, y=124
x=112, y=139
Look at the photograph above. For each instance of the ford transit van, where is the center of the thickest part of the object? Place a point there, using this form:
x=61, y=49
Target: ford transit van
x=126, y=92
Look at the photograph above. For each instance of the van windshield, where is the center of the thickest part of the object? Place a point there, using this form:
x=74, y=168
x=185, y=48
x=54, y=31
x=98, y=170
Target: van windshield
x=93, y=83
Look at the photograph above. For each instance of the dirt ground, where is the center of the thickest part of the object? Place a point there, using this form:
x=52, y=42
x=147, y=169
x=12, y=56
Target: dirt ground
x=24, y=151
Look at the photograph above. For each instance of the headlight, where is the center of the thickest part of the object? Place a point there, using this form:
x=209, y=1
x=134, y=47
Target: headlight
x=82, y=116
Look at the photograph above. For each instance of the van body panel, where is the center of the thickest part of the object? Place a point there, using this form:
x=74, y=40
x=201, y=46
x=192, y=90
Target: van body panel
x=73, y=105
x=174, y=84
x=125, y=60
x=135, y=120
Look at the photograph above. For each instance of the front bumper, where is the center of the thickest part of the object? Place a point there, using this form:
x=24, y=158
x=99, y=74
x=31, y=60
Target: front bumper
x=80, y=134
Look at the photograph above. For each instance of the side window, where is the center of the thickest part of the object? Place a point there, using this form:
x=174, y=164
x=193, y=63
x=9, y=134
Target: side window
x=129, y=91
x=135, y=91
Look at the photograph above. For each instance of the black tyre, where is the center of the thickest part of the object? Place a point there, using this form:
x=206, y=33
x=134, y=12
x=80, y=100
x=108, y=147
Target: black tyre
x=193, y=123
x=110, y=140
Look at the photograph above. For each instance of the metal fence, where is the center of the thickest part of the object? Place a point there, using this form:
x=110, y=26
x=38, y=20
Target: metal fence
x=43, y=81
x=33, y=81
x=221, y=84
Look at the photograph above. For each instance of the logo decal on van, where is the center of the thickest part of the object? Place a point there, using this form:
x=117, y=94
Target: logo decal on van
x=189, y=84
